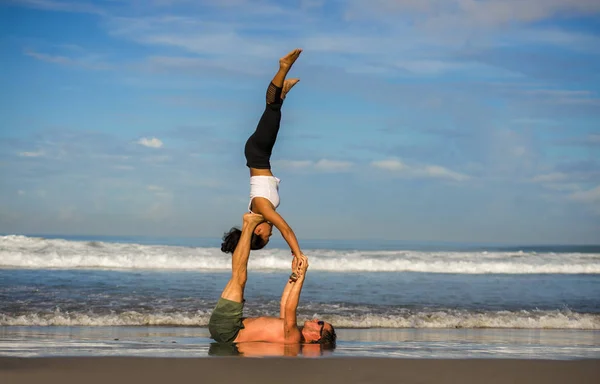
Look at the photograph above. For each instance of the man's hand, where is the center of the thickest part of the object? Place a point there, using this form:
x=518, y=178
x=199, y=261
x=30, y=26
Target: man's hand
x=297, y=263
x=302, y=265
x=253, y=219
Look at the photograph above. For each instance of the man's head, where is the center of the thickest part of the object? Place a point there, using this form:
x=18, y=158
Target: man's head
x=316, y=331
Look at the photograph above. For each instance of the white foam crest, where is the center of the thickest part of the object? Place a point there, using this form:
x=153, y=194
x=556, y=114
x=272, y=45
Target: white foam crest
x=452, y=319
x=439, y=319
x=26, y=252
x=38, y=253
x=130, y=318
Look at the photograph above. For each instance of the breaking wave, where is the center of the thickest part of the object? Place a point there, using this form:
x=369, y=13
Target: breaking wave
x=411, y=319
x=39, y=253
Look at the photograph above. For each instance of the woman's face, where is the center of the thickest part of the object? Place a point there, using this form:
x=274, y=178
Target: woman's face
x=264, y=230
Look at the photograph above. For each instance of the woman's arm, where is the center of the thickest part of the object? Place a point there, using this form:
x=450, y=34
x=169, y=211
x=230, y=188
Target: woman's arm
x=264, y=207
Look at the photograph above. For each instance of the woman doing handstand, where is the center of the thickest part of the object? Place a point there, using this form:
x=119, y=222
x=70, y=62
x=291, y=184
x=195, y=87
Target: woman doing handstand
x=264, y=187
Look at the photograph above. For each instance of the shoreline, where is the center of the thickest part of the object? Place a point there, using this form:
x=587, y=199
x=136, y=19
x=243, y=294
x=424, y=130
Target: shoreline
x=290, y=370
x=195, y=342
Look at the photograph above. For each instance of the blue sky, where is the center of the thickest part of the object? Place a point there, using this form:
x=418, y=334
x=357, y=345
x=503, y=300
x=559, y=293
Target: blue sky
x=446, y=120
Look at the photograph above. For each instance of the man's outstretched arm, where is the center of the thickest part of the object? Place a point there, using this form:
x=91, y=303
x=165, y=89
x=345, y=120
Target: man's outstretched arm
x=289, y=319
x=284, y=297
x=288, y=288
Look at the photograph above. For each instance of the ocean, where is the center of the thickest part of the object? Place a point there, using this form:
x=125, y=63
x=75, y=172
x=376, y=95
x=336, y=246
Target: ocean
x=101, y=296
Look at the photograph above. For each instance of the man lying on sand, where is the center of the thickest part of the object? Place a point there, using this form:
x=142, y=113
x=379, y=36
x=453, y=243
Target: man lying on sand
x=227, y=325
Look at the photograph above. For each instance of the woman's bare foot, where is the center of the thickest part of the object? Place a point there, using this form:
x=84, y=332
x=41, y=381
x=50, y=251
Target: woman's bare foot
x=288, y=60
x=285, y=64
x=287, y=85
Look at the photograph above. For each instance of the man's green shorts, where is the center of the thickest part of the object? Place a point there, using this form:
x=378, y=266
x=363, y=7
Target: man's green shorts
x=226, y=321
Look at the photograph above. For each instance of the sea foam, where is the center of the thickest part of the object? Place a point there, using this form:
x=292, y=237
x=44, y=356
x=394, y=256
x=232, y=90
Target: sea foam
x=39, y=253
x=410, y=319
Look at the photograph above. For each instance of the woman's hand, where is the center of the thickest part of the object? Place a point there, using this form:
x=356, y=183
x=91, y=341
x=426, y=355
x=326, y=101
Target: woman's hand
x=298, y=268
x=302, y=264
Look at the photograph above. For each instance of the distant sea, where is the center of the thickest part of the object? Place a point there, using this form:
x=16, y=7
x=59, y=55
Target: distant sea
x=87, y=295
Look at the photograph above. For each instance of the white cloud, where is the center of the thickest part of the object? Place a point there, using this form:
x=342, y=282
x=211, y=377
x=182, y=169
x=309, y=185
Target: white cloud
x=489, y=13
x=61, y=6
x=557, y=93
x=87, y=61
x=323, y=165
x=589, y=196
x=31, y=154
x=293, y=164
x=49, y=58
x=550, y=177
x=560, y=96
x=194, y=65
x=213, y=39
x=160, y=192
x=332, y=165
x=152, y=142
x=105, y=156
x=504, y=11
x=484, y=13
x=20, y=192
x=435, y=171
x=429, y=67
x=390, y=165
x=569, y=187
x=427, y=171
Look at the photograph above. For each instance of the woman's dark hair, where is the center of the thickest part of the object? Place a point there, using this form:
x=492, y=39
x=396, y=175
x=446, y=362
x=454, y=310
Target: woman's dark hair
x=231, y=239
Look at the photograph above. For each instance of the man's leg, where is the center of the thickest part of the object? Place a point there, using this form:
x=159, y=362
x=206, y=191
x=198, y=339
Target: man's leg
x=234, y=290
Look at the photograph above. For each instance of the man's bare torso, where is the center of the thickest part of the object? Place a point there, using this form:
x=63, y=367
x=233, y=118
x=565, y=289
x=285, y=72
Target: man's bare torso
x=268, y=329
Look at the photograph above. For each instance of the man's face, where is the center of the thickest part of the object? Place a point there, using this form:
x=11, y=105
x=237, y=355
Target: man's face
x=313, y=330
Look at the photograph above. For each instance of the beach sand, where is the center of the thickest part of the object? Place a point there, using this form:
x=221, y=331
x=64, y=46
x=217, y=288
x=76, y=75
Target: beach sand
x=106, y=370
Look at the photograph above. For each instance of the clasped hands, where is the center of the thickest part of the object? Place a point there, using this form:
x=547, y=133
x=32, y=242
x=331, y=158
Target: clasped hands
x=299, y=266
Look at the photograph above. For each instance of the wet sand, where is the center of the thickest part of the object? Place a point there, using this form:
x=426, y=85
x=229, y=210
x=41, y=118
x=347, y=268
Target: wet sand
x=109, y=370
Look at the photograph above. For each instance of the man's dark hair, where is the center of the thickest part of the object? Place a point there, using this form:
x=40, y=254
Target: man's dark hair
x=231, y=239
x=328, y=339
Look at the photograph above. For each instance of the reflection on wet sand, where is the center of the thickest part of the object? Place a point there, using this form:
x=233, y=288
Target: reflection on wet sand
x=261, y=349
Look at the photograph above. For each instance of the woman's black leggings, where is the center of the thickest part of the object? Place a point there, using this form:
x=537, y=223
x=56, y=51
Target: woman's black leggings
x=260, y=145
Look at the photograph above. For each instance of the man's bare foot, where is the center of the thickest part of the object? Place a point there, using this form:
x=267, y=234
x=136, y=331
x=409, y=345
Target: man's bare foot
x=288, y=60
x=287, y=85
x=253, y=219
